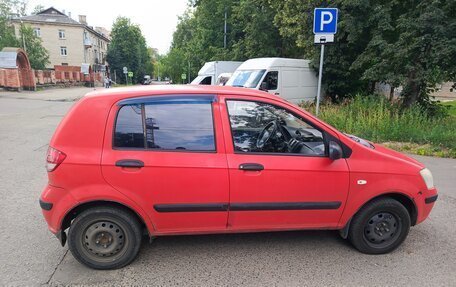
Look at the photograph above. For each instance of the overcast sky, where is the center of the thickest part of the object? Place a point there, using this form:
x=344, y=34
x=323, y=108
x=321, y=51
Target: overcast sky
x=156, y=18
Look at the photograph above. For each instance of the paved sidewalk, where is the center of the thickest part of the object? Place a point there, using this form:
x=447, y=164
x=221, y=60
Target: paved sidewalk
x=53, y=94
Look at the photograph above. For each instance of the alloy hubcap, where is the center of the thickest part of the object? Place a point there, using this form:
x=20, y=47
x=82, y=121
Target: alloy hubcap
x=104, y=239
x=381, y=228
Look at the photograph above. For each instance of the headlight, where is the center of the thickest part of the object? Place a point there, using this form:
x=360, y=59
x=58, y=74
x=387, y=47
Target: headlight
x=427, y=177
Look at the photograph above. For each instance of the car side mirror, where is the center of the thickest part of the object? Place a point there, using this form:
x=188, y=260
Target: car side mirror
x=264, y=86
x=335, y=151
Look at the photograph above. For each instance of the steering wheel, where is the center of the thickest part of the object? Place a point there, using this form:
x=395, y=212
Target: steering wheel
x=266, y=134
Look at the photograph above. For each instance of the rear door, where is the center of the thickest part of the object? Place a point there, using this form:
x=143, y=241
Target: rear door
x=165, y=153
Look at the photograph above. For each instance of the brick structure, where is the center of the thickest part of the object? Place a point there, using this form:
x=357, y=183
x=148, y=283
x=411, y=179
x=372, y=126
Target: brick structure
x=16, y=71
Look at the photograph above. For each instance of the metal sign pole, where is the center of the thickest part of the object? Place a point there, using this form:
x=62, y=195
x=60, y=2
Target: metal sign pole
x=320, y=75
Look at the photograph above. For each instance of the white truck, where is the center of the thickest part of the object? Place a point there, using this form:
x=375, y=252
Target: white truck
x=291, y=79
x=211, y=71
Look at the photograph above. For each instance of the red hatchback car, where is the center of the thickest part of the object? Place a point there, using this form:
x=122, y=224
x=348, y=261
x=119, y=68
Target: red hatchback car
x=169, y=160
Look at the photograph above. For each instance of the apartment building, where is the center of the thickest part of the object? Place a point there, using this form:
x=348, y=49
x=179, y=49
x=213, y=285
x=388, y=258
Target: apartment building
x=69, y=42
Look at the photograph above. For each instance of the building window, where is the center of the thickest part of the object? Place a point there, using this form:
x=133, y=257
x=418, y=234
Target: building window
x=64, y=64
x=61, y=34
x=37, y=32
x=63, y=51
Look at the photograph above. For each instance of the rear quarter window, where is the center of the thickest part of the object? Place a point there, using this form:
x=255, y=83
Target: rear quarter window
x=129, y=131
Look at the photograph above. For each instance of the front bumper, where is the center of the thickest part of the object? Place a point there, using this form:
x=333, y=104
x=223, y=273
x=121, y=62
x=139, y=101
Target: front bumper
x=425, y=204
x=431, y=199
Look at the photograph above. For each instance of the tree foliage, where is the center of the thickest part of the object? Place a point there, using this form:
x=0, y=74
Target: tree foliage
x=38, y=55
x=199, y=35
x=401, y=43
x=128, y=49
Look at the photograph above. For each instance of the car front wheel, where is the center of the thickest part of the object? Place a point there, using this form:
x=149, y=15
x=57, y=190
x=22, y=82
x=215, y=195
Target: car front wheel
x=380, y=226
x=105, y=238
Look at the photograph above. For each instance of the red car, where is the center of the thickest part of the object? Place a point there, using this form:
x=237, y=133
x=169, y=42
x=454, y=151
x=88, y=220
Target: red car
x=170, y=160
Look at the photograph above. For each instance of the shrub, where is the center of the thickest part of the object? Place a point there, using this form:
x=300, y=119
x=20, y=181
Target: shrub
x=378, y=120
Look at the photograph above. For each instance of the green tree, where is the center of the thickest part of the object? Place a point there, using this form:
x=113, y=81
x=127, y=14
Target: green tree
x=408, y=43
x=413, y=44
x=251, y=32
x=8, y=8
x=128, y=49
x=38, y=8
x=256, y=35
x=38, y=55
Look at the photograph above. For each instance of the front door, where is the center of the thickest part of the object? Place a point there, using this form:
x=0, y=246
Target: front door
x=167, y=156
x=280, y=174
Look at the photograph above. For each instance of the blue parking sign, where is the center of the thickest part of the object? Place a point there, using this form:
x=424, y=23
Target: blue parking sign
x=325, y=21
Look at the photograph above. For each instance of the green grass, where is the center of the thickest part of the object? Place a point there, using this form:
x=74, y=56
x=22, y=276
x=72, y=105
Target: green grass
x=451, y=107
x=376, y=119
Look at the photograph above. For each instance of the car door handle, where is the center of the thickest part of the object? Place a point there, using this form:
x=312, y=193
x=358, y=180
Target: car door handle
x=130, y=163
x=251, y=166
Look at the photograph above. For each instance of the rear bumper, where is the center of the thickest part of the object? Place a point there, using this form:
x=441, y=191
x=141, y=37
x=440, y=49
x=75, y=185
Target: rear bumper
x=55, y=203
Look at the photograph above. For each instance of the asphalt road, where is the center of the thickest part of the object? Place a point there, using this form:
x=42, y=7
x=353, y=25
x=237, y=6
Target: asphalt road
x=30, y=255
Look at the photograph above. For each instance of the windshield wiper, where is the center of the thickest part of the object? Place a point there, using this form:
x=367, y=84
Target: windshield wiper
x=238, y=86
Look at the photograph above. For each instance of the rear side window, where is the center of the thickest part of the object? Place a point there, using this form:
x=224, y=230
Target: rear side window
x=180, y=127
x=167, y=126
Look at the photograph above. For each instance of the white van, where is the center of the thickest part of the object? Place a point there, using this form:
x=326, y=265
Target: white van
x=210, y=72
x=291, y=79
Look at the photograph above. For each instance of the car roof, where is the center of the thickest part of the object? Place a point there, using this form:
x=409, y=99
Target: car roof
x=116, y=94
x=266, y=63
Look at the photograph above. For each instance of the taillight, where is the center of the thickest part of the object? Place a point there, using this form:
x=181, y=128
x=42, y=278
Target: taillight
x=54, y=158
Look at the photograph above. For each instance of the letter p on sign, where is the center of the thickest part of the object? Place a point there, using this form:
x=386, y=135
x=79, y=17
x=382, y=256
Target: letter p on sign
x=325, y=21
x=326, y=18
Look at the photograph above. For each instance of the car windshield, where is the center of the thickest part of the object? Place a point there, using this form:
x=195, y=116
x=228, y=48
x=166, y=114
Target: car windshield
x=246, y=78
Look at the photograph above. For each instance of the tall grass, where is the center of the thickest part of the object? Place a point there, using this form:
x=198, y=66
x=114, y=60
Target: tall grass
x=377, y=119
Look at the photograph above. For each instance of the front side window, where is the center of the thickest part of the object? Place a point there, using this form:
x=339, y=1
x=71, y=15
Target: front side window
x=61, y=34
x=265, y=128
x=167, y=126
x=270, y=80
x=206, y=81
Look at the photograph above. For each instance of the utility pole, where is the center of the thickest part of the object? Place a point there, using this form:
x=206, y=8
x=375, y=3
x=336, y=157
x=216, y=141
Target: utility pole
x=22, y=33
x=224, y=33
x=188, y=81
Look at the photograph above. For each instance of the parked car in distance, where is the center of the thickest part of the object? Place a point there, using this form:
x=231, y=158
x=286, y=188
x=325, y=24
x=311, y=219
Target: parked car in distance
x=211, y=71
x=147, y=80
x=170, y=160
x=291, y=79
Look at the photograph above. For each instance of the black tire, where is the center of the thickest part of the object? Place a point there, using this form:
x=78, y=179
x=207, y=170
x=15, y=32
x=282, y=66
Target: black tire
x=105, y=238
x=380, y=226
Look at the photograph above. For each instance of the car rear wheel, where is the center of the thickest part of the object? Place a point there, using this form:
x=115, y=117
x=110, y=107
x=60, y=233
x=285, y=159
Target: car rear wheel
x=105, y=238
x=380, y=226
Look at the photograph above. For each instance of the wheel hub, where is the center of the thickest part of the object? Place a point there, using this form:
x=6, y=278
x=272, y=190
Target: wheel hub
x=104, y=239
x=381, y=228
